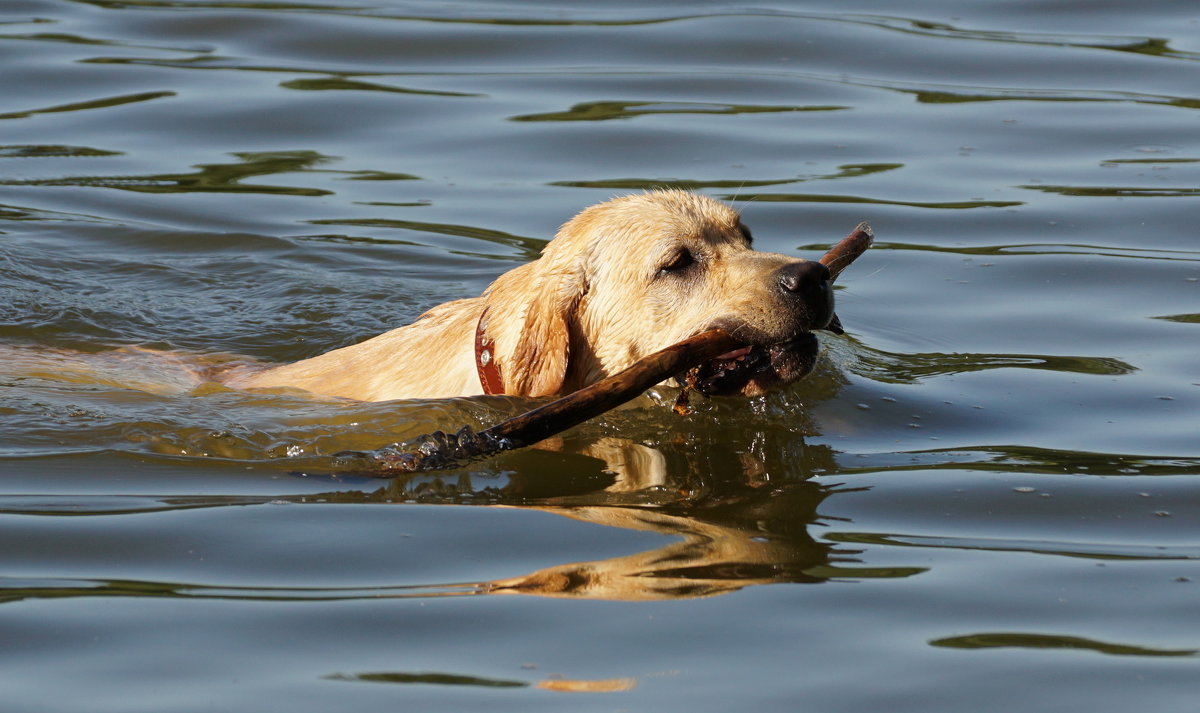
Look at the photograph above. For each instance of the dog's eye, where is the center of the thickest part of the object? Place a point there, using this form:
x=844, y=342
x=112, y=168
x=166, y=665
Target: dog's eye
x=679, y=261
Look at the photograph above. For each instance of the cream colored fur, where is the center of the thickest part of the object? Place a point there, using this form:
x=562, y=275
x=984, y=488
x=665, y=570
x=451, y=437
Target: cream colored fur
x=597, y=299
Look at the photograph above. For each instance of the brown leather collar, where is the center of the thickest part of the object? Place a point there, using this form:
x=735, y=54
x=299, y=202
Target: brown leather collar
x=485, y=358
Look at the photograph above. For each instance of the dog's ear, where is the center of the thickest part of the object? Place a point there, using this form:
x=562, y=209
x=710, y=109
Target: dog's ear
x=531, y=309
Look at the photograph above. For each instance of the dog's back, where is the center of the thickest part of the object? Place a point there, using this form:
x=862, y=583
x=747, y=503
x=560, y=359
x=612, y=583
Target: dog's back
x=151, y=370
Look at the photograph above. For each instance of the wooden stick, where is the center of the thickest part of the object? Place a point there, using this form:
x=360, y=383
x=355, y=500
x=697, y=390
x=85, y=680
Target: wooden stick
x=440, y=450
x=848, y=250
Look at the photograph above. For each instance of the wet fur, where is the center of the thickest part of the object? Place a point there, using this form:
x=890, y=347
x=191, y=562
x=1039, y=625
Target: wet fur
x=597, y=299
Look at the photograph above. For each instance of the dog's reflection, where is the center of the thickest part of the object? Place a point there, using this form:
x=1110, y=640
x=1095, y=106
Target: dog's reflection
x=732, y=522
x=709, y=557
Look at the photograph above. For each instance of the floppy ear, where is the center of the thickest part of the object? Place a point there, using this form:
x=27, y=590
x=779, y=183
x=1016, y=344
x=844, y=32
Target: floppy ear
x=530, y=310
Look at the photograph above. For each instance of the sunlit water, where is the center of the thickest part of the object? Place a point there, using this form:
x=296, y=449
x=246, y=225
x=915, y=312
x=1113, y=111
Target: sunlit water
x=990, y=485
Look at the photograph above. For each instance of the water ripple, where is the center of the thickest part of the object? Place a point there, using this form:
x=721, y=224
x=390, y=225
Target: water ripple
x=607, y=110
x=830, y=198
x=627, y=17
x=1022, y=459
x=1006, y=640
x=103, y=103
x=1086, y=550
x=891, y=367
x=1115, y=191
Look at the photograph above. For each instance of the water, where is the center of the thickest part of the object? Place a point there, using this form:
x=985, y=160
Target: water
x=985, y=497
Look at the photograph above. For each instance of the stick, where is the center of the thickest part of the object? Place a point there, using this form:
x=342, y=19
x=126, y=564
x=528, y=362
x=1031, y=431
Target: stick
x=841, y=255
x=848, y=249
x=440, y=450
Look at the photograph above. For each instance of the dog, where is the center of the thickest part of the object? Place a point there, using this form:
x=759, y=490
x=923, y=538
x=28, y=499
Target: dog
x=619, y=281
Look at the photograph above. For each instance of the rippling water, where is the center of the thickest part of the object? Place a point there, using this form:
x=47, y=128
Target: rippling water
x=992, y=478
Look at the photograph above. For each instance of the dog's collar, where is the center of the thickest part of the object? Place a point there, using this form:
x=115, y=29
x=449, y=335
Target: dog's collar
x=486, y=363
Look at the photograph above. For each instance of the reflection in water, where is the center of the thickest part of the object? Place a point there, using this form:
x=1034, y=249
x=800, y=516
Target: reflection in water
x=736, y=522
x=529, y=248
x=1116, y=192
x=211, y=178
x=929, y=93
x=1135, y=44
x=1021, y=459
x=834, y=198
x=52, y=151
x=342, y=83
x=1158, y=47
x=430, y=678
x=104, y=103
x=850, y=170
x=565, y=685
x=732, y=521
x=1053, y=641
x=958, y=95
x=1083, y=550
x=606, y=110
x=275, y=5
x=736, y=515
x=718, y=553
x=890, y=367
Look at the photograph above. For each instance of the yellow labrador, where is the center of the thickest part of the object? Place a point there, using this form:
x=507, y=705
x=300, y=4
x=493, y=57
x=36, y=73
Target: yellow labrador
x=620, y=280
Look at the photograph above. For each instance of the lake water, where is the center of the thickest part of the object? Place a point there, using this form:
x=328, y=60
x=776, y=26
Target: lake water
x=986, y=497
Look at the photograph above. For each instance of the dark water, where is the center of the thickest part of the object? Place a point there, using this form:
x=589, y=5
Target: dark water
x=986, y=498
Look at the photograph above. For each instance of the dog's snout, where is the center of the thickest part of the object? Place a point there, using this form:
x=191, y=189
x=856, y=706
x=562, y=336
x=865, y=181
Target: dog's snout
x=810, y=282
x=803, y=278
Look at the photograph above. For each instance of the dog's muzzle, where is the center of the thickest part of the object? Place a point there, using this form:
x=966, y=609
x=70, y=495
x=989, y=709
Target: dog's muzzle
x=764, y=364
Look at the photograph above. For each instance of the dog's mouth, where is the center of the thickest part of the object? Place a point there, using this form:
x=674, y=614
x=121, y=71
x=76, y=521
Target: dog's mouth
x=756, y=368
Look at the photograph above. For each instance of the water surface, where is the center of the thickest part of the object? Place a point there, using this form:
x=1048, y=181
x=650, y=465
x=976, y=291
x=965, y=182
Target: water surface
x=984, y=498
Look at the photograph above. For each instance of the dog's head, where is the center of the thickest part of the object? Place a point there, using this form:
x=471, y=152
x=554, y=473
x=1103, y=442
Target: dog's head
x=626, y=278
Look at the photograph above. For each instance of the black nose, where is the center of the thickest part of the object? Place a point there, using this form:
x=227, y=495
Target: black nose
x=809, y=281
x=803, y=277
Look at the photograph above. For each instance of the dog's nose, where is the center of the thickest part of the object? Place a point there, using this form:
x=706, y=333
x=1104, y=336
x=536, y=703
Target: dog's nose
x=803, y=277
x=809, y=281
